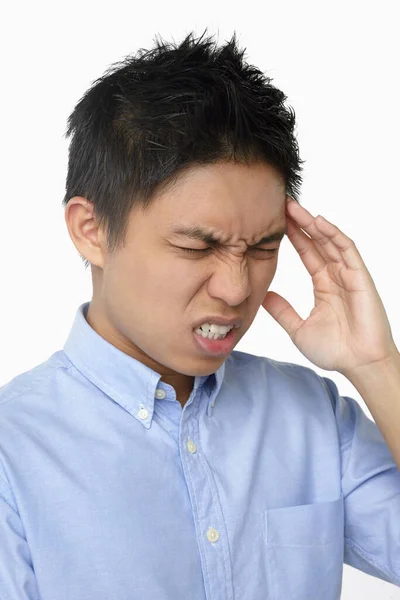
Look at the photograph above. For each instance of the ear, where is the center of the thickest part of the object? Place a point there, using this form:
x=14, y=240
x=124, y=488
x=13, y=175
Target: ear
x=84, y=231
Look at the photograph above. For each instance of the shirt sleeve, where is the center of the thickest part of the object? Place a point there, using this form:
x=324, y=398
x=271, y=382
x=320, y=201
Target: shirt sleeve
x=17, y=577
x=371, y=491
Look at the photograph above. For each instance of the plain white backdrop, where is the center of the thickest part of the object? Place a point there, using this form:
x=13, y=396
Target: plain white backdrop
x=338, y=63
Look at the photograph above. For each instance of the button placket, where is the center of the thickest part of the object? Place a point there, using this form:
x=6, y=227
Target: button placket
x=213, y=542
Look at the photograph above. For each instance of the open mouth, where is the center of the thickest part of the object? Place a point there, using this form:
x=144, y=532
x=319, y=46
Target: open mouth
x=218, y=346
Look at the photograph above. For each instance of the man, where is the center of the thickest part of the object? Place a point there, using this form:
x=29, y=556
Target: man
x=148, y=460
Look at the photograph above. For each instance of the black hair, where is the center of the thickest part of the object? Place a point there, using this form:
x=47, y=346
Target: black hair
x=164, y=110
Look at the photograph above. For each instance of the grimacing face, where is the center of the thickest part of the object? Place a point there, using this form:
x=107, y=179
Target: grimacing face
x=148, y=295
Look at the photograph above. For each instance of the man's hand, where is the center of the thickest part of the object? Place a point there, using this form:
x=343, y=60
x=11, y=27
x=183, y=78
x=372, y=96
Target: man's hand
x=348, y=327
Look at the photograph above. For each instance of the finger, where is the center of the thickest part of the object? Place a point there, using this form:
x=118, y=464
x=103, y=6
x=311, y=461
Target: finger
x=313, y=255
x=349, y=251
x=283, y=313
x=306, y=221
x=323, y=244
x=331, y=239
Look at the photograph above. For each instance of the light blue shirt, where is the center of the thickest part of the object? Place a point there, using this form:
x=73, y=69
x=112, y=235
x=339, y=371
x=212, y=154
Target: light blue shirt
x=260, y=488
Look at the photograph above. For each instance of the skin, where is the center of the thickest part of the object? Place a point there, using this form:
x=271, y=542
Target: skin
x=147, y=294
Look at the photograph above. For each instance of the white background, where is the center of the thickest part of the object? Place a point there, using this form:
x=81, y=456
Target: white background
x=338, y=63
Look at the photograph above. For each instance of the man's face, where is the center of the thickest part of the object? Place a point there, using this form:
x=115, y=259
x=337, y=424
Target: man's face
x=152, y=292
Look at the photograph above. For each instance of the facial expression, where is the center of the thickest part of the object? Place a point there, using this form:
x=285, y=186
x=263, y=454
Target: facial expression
x=152, y=291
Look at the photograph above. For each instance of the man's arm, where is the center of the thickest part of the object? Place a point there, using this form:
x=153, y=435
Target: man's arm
x=379, y=387
x=370, y=483
x=17, y=578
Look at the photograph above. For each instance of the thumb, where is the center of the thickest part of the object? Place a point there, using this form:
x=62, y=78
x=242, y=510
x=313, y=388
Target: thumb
x=283, y=313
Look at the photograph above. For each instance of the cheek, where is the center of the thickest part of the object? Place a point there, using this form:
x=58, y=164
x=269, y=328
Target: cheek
x=263, y=277
x=132, y=277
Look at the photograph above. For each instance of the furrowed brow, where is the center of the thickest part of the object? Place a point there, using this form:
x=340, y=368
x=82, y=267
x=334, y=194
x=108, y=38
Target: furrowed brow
x=197, y=233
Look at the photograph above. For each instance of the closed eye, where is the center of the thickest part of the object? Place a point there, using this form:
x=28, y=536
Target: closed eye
x=271, y=251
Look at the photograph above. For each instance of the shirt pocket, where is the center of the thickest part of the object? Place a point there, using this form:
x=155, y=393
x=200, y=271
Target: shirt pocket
x=304, y=550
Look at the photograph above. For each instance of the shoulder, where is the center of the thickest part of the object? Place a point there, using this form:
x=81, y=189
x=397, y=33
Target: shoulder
x=294, y=380
x=33, y=381
x=274, y=368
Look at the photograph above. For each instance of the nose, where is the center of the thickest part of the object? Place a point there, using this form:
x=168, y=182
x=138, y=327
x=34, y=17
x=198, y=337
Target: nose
x=230, y=283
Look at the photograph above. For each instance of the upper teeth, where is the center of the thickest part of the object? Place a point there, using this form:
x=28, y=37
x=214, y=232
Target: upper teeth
x=220, y=329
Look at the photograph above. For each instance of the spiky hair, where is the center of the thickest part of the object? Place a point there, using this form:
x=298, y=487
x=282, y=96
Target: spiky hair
x=164, y=110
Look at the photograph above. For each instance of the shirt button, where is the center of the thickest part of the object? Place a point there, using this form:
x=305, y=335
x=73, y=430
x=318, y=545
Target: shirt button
x=212, y=534
x=191, y=446
x=143, y=413
x=160, y=394
x=212, y=403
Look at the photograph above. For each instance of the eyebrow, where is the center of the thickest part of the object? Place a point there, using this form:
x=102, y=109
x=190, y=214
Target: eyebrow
x=197, y=233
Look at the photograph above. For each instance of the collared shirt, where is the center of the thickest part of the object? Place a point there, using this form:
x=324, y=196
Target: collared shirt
x=260, y=487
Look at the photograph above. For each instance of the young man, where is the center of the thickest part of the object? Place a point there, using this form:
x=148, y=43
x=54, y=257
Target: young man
x=148, y=460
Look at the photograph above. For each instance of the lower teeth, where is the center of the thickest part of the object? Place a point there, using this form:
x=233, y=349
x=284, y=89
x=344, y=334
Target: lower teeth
x=211, y=336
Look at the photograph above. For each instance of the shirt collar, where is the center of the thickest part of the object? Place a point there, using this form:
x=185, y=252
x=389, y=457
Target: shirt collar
x=126, y=380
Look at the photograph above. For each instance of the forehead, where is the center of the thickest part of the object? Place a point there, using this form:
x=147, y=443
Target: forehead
x=221, y=202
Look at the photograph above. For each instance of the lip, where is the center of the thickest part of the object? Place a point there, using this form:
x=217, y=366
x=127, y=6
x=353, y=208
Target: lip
x=235, y=321
x=217, y=347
